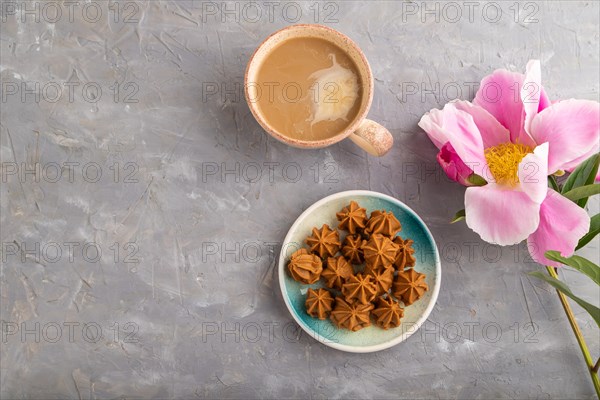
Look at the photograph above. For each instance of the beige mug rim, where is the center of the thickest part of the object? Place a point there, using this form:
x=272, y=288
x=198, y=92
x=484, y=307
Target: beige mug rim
x=360, y=117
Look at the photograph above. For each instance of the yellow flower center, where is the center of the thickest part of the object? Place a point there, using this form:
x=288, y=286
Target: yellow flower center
x=504, y=160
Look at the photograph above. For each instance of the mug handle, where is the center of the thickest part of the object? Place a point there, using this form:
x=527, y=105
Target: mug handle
x=373, y=138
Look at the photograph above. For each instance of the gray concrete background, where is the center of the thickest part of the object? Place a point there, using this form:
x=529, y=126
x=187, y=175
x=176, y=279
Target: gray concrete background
x=170, y=253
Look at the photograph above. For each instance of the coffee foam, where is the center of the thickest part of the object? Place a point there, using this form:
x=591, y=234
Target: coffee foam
x=335, y=90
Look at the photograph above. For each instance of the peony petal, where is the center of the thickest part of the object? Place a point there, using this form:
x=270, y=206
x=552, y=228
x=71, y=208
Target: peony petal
x=432, y=123
x=531, y=92
x=562, y=224
x=501, y=215
x=575, y=163
x=492, y=132
x=533, y=173
x=544, y=101
x=453, y=166
x=499, y=94
x=465, y=138
x=571, y=127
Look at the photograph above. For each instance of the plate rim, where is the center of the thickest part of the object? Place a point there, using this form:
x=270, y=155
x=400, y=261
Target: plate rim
x=344, y=347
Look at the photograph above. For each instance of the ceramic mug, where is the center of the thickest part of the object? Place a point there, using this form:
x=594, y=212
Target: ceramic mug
x=369, y=135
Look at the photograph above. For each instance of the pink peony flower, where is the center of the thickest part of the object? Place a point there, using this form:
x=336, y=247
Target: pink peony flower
x=514, y=137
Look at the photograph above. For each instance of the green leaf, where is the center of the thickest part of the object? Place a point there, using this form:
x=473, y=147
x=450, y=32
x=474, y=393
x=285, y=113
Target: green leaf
x=460, y=215
x=476, y=180
x=562, y=287
x=594, y=230
x=552, y=183
x=583, y=175
x=579, y=263
x=582, y=192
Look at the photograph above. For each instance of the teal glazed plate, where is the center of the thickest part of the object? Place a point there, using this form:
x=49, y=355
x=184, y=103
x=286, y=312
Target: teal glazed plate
x=371, y=338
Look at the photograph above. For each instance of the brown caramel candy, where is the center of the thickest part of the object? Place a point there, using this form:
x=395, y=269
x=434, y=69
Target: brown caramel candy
x=380, y=252
x=351, y=316
x=305, y=267
x=384, y=223
x=299, y=252
x=376, y=291
x=405, y=257
x=382, y=278
x=353, y=218
x=388, y=313
x=319, y=303
x=336, y=272
x=325, y=242
x=359, y=288
x=352, y=249
x=409, y=286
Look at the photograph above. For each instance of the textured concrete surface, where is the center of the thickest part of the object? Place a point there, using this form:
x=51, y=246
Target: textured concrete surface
x=157, y=280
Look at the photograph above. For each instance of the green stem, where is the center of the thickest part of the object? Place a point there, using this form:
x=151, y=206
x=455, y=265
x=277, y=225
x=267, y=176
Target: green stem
x=592, y=369
x=597, y=366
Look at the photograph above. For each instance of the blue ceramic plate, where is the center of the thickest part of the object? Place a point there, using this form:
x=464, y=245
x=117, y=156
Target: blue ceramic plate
x=371, y=338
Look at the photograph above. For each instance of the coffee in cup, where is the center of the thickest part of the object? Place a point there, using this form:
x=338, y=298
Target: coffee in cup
x=310, y=86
